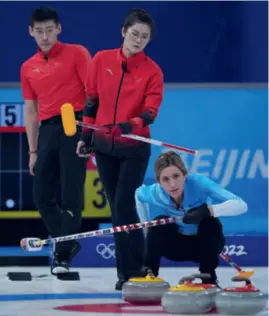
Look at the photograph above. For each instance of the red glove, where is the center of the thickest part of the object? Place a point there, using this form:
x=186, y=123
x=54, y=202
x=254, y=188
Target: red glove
x=117, y=130
x=128, y=127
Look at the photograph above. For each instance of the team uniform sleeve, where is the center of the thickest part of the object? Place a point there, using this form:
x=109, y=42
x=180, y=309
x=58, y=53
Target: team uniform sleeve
x=27, y=91
x=91, y=106
x=152, y=100
x=83, y=62
x=142, y=208
x=225, y=203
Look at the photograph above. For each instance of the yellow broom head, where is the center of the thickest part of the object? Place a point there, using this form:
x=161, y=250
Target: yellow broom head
x=68, y=119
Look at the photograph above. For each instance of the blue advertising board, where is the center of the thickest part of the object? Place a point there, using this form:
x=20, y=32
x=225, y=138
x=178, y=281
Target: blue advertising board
x=100, y=252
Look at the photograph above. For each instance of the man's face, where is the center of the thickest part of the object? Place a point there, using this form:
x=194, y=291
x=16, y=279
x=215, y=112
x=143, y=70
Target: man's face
x=45, y=33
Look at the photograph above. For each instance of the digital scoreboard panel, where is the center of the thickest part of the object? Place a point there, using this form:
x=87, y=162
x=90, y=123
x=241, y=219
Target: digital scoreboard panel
x=16, y=183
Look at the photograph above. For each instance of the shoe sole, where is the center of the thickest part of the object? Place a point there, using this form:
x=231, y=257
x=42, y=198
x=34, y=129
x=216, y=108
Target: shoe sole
x=59, y=270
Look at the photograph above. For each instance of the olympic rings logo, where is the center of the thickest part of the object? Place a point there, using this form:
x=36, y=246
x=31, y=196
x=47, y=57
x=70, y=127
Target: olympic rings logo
x=106, y=251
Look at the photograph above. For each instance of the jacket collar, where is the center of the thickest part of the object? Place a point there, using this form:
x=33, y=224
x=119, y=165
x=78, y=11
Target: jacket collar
x=53, y=51
x=131, y=62
x=163, y=195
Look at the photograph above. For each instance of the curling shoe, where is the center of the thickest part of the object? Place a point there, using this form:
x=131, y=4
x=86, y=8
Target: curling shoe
x=212, y=280
x=59, y=265
x=141, y=273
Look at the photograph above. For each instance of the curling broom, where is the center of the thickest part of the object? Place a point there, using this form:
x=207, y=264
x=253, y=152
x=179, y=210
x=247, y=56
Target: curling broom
x=69, y=124
x=36, y=244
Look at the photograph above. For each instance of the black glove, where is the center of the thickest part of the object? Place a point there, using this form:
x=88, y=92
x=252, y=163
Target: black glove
x=196, y=215
x=87, y=138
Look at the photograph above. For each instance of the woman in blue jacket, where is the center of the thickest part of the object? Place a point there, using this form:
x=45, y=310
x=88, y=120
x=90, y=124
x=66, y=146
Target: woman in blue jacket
x=198, y=237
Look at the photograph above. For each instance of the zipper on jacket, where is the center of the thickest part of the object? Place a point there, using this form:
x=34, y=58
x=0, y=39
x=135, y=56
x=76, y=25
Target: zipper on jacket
x=124, y=70
x=47, y=63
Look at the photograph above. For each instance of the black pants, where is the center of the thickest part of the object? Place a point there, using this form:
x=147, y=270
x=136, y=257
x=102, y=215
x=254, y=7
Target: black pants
x=121, y=177
x=58, y=165
x=203, y=248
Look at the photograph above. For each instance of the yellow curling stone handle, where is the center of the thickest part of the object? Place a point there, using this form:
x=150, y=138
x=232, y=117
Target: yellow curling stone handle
x=185, y=288
x=148, y=278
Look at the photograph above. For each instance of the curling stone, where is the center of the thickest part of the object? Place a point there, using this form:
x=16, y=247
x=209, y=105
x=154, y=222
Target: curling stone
x=143, y=290
x=211, y=288
x=246, y=300
x=188, y=297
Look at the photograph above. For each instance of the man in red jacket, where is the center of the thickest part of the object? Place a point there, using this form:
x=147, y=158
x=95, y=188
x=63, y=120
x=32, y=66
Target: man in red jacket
x=126, y=90
x=56, y=74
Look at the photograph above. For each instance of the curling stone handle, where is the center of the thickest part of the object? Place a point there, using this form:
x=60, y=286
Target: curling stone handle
x=241, y=279
x=202, y=276
x=189, y=278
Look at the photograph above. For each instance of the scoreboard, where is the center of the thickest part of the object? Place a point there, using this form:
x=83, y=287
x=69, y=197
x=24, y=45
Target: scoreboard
x=16, y=183
x=11, y=114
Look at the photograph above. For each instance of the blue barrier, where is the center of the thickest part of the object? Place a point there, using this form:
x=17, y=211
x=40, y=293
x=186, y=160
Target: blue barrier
x=16, y=251
x=244, y=250
x=100, y=252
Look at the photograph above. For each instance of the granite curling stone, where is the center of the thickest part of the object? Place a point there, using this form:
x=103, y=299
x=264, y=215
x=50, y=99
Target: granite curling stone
x=144, y=290
x=211, y=288
x=246, y=300
x=188, y=297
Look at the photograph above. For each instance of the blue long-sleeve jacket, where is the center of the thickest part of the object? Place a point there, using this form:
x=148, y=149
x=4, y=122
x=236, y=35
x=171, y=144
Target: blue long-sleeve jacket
x=152, y=201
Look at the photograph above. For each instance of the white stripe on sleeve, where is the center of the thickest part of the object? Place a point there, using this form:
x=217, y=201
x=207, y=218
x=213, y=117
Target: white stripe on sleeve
x=230, y=208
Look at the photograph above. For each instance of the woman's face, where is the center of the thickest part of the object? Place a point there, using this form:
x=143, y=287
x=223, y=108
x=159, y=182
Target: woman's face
x=136, y=37
x=172, y=180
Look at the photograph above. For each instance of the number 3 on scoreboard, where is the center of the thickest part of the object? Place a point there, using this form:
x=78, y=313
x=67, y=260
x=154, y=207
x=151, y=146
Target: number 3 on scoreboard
x=101, y=201
x=11, y=115
x=95, y=200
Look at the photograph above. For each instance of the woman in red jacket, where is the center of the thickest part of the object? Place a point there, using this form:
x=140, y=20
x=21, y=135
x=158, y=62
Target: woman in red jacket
x=126, y=90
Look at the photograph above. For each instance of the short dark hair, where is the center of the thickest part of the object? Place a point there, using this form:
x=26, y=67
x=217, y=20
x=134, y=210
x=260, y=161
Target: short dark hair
x=139, y=16
x=43, y=14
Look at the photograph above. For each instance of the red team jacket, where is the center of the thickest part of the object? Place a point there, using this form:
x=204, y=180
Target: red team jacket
x=123, y=90
x=60, y=77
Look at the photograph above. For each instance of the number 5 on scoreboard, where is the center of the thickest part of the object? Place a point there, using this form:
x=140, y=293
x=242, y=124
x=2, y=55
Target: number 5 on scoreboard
x=11, y=115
